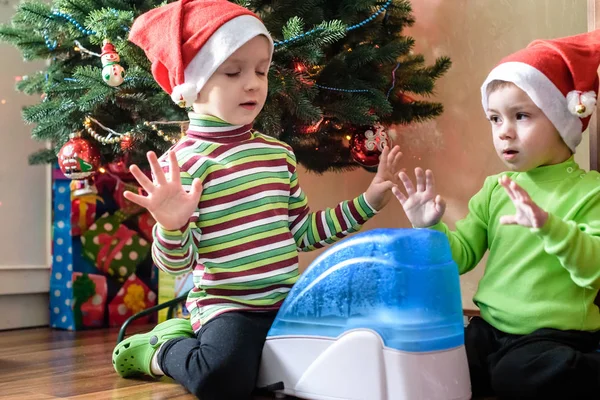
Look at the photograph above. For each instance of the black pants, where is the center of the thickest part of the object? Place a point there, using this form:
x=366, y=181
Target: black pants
x=222, y=362
x=546, y=364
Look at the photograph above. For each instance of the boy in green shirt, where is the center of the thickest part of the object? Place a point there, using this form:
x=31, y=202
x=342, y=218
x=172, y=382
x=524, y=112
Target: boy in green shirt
x=539, y=328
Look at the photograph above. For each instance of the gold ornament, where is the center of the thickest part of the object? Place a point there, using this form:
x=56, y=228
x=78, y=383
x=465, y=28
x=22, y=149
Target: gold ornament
x=161, y=133
x=87, y=123
x=580, y=109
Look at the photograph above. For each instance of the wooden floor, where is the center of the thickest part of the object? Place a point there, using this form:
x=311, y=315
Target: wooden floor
x=53, y=364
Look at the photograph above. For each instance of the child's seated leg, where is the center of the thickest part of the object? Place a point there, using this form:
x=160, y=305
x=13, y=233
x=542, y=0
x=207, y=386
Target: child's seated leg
x=548, y=364
x=133, y=356
x=481, y=341
x=222, y=363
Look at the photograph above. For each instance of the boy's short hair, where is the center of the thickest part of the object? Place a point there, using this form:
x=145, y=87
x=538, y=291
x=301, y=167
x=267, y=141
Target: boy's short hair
x=560, y=76
x=497, y=84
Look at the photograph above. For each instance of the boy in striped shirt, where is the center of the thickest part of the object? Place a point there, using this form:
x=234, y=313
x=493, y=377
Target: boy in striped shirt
x=249, y=215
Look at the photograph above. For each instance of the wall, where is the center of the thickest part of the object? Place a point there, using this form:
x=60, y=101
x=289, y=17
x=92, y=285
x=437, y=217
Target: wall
x=24, y=201
x=476, y=34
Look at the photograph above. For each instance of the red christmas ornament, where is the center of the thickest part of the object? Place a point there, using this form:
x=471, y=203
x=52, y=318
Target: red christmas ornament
x=367, y=143
x=299, y=67
x=126, y=143
x=78, y=159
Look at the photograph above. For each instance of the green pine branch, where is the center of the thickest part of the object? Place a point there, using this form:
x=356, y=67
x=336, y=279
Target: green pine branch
x=44, y=156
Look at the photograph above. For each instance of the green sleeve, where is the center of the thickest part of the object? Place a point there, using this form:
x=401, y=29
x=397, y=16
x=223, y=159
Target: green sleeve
x=576, y=245
x=469, y=241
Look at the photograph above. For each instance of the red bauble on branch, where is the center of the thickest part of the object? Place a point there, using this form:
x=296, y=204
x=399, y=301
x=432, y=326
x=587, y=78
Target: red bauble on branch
x=367, y=143
x=78, y=158
x=126, y=143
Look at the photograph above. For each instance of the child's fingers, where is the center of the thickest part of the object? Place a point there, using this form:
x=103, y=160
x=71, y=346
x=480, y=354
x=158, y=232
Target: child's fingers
x=397, y=158
x=429, y=180
x=196, y=190
x=513, y=189
x=387, y=185
x=408, y=185
x=399, y=195
x=440, y=204
x=174, y=167
x=142, y=179
x=520, y=192
x=157, y=171
x=383, y=158
x=393, y=158
x=505, y=182
x=420, y=175
x=508, y=220
x=137, y=199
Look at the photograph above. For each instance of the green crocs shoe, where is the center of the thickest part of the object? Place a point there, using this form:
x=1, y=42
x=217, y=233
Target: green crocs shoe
x=133, y=356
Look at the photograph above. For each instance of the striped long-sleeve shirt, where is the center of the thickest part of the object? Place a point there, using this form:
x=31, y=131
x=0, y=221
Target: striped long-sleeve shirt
x=243, y=239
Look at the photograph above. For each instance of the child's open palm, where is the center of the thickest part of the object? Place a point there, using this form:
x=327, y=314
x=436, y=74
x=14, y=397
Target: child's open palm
x=168, y=202
x=378, y=193
x=421, y=204
x=528, y=213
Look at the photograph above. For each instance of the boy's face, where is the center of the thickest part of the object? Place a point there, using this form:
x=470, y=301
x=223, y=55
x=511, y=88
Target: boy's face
x=237, y=91
x=524, y=137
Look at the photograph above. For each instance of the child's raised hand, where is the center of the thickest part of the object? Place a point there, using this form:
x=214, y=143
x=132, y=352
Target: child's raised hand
x=170, y=205
x=378, y=193
x=421, y=204
x=528, y=213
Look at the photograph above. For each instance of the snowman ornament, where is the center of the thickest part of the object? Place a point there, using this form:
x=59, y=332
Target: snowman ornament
x=112, y=73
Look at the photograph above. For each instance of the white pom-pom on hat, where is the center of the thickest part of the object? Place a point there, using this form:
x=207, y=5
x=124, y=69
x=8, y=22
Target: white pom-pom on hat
x=581, y=104
x=185, y=94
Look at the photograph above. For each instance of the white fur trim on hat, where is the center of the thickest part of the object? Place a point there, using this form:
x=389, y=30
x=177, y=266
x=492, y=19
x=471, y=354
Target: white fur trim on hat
x=223, y=43
x=543, y=93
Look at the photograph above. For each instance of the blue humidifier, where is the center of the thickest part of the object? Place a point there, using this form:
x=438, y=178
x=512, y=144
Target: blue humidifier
x=377, y=316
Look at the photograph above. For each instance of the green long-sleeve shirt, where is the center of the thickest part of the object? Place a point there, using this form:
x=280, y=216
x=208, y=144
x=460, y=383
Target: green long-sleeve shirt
x=535, y=278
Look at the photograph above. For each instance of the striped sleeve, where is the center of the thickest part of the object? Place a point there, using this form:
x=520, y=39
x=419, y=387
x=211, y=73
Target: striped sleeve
x=176, y=251
x=314, y=230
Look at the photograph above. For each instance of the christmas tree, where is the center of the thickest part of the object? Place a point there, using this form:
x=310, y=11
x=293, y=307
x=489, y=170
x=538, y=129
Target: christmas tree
x=341, y=70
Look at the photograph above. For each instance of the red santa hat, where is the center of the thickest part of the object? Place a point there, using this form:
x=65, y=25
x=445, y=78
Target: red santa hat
x=561, y=78
x=187, y=40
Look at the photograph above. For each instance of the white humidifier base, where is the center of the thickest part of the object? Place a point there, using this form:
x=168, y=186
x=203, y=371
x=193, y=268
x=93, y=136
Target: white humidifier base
x=356, y=366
